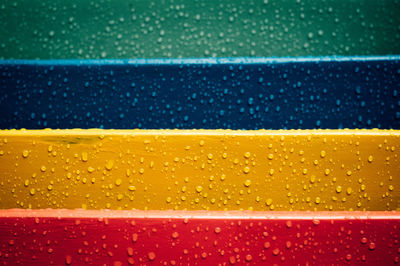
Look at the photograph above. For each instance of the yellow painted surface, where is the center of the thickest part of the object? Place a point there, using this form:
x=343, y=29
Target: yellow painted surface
x=200, y=169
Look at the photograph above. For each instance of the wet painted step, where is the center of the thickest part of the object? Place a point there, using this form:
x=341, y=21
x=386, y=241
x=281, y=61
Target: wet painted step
x=152, y=29
x=293, y=93
x=200, y=169
x=76, y=237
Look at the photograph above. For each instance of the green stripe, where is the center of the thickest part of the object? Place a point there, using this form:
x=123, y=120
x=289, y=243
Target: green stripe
x=44, y=29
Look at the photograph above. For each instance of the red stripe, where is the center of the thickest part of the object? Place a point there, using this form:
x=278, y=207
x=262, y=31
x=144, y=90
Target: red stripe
x=119, y=238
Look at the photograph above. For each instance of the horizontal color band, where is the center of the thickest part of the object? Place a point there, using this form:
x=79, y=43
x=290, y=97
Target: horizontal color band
x=109, y=237
x=200, y=169
x=130, y=29
x=235, y=93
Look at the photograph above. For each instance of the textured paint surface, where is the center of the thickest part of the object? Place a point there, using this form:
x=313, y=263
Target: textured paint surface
x=200, y=169
x=65, y=239
x=297, y=93
x=147, y=29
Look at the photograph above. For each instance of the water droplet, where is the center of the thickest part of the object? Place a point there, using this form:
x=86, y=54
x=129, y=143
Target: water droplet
x=84, y=156
x=109, y=165
x=25, y=153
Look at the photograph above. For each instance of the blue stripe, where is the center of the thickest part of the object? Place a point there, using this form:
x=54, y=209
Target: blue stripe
x=236, y=93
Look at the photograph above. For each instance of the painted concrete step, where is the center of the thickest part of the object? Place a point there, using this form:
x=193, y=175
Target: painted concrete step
x=200, y=169
x=164, y=29
x=236, y=93
x=79, y=237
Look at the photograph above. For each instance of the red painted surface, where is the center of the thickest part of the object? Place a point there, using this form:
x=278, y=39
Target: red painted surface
x=76, y=237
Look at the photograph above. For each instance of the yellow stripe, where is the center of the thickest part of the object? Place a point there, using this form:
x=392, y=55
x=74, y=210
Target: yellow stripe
x=200, y=169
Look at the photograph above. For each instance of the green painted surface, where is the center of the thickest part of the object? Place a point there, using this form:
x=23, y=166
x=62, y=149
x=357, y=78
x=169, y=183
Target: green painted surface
x=45, y=29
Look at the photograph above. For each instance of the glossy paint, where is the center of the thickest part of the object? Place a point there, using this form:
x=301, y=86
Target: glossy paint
x=228, y=93
x=58, y=29
x=200, y=169
x=77, y=237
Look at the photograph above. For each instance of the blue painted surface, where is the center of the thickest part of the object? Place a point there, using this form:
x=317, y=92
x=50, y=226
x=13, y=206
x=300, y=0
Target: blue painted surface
x=235, y=93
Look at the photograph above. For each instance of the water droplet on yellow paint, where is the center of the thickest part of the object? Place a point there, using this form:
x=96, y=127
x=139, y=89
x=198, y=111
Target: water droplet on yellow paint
x=370, y=158
x=268, y=202
x=209, y=156
x=43, y=168
x=132, y=188
x=271, y=171
x=32, y=191
x=323, y=154
x=247, y=155
x=223, y=176
x=338, y=189
x=349, y=191
x=247, y=183
x=84, y=156
x=118, y=182
x=26, y=183
x=246, y=170
x=109, y=165
x=318, y=200
x=25, y=153
x=199, y=189
x=270, y=156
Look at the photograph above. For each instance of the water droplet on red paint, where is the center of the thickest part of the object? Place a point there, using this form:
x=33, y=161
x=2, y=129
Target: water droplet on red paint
x=316, y=222
x=68, y=259
x=249, y=257
x=289, y=224
x=217, y=230
x=232, y=260
x=267, y=245
x=276, y=251
x=175, y=235
x=372, y=246
x=130, y=251
x=134, y=237
x=151, y=255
